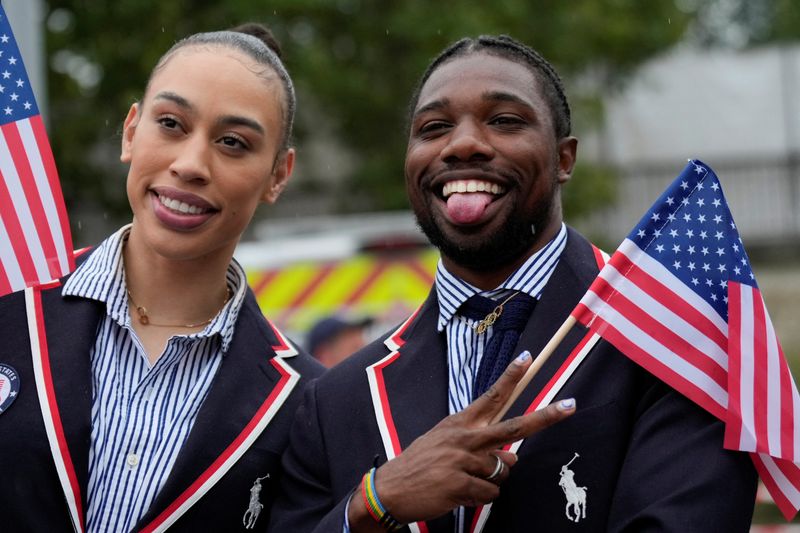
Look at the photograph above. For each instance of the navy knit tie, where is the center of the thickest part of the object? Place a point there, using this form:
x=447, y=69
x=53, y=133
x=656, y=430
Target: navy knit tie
x=505, y=334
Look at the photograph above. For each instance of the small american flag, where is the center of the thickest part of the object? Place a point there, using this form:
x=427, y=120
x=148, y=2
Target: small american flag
x=35, y=241
x=679, y=298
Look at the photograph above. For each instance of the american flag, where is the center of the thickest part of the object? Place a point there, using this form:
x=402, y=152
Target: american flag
x=35, y=241
x=679, y=298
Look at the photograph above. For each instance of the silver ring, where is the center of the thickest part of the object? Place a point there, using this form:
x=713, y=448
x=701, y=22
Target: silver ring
x=498, y=469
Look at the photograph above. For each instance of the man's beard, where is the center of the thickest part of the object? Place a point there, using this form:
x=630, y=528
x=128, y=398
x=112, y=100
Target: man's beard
x=488, y=252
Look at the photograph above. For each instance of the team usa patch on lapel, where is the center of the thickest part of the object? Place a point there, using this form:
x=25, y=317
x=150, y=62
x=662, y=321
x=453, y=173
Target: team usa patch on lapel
x=9, y=386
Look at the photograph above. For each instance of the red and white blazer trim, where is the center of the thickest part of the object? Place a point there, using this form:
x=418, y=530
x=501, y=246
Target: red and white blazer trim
x=58, y=445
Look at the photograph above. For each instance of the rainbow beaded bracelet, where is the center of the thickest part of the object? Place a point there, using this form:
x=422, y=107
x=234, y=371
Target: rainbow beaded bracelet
x=374, y=506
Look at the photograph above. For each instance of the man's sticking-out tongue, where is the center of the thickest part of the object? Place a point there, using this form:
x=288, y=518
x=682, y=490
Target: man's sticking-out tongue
x=468, y=207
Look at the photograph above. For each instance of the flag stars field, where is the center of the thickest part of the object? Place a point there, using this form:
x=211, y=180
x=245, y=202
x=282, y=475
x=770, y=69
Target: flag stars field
x=689, y=212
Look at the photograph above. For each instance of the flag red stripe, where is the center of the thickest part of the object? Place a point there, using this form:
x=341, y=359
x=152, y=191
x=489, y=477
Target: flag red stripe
x=662, y=334
x=5, y=284
x=760, y=378
x=733, y=420
x=45, y=152
x=666, y=296
x=32, y=197
x=779, y=494
x=8, y=212
x=787, y=414
x=656, y=367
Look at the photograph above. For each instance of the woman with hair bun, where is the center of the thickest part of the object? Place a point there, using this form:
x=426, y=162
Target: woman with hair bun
x=152, y=393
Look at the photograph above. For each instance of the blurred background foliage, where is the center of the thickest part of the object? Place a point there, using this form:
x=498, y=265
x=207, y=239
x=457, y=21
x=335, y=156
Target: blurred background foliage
x=355, y=63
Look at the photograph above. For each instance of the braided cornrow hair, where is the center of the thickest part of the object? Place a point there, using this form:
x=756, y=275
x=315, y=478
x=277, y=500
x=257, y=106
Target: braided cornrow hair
x=509, y=48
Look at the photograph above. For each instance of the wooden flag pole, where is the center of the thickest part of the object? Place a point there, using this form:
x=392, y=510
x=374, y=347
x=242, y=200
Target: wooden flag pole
x=540, y=360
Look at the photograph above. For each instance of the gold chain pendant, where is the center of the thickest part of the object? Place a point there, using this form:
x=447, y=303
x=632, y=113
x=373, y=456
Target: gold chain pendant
x=492, y=317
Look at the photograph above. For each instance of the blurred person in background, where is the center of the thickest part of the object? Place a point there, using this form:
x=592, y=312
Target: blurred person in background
x=152, y=391
x=332, y=339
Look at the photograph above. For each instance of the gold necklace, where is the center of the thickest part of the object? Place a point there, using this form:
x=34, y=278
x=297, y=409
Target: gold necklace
x=490, y=319
x=145, y=320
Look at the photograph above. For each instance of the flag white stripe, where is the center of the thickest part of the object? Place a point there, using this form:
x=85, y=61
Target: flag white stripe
x=656, y=350
x=670, y=319
x=776, y=404
x=9, y=260
x=786, y=487
x=774, y=388
x=34, y=156
x=747, y=438
x=661, y=273
x=23, y=212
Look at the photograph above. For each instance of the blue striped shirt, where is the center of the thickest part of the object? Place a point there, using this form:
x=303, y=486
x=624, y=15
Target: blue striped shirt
x=464, y=346
x=141, y=414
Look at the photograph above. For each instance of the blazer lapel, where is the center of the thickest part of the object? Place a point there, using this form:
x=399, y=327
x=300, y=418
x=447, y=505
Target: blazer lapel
x=62, y=334
x=256, y=380
x=409, y=388
x=575, y=271
x=409, y=385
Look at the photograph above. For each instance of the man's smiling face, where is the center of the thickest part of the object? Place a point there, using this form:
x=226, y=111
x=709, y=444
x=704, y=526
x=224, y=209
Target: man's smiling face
x=483, y=164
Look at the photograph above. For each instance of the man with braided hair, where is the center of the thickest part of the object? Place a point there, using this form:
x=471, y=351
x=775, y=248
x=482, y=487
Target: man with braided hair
x=402, y=435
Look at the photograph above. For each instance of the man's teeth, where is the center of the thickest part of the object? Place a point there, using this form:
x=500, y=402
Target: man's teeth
x=471, y=186
x=181, y=207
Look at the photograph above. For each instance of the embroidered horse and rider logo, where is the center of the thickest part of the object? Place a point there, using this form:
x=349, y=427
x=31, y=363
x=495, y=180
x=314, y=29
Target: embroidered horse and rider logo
x=576, y=496
x=255, y=506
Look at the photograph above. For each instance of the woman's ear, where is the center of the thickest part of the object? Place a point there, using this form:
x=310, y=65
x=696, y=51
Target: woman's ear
x=281, y=172
x=128, y=130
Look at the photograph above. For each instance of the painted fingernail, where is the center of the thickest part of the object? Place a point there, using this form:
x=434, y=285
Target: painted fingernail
x=567, y=404
x=523, y=357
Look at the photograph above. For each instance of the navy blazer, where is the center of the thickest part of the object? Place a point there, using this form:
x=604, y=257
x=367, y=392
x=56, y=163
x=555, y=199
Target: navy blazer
x=238, y=437
x=644, y=457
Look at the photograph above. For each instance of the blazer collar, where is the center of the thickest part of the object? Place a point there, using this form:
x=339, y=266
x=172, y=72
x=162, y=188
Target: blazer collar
x=410, y=375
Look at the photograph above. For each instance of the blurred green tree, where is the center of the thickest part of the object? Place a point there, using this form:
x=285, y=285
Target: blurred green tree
x=355, y=63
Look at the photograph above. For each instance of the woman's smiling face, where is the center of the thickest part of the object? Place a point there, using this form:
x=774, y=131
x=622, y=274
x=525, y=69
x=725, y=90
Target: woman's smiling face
x=204, y=149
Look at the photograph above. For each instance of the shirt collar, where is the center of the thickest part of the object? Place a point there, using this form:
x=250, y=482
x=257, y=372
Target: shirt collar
x=102, y=277
x=530, y=278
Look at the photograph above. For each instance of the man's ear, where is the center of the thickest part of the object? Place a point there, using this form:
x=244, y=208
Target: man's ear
x=567, y=155
x=281, y=172
x=128, y=130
